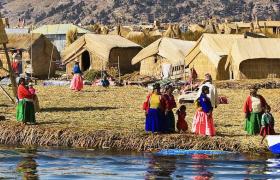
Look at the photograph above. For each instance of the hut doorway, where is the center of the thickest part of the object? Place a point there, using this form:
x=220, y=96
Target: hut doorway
x=85, y=61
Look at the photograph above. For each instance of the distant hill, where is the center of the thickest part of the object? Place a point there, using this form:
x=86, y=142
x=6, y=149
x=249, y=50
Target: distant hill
x=136, y=11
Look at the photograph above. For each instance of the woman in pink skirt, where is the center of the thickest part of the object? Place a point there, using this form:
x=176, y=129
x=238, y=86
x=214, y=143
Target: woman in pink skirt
x=77, y=81
x=203, y=123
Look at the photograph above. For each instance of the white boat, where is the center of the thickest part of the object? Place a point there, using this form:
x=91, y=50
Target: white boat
x=274, y=143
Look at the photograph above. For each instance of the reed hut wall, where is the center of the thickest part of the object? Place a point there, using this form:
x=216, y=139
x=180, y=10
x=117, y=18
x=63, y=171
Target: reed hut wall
x=258, y=69
x=203, y=65
x=125, y=56
x=152, y=66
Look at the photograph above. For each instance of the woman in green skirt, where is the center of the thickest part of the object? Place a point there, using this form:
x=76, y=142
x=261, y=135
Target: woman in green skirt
x=25, y=108
x=253, y=109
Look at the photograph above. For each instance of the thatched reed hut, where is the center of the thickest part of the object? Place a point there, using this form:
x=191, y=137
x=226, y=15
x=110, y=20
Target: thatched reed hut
x=163, y=53
x=36, y=50
x=254, y=58
x=173, y=31
x=120, y=30
x=100, y=52
x=209, y=55
x=142, y=38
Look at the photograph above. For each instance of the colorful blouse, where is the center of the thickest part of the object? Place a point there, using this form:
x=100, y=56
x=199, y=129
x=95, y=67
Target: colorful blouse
x=249, y=107
x=76, y=69
x=154, y=101
x=168, y=102
x=24, y=93
x=205, y=103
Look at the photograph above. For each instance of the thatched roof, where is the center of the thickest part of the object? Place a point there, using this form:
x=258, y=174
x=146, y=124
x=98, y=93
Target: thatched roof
x=22, y=41
x=100, y=45
x=172, y=49
x=120, y=30
x=214, y=46
x=170, y=32
x=58, y=29
x=254, y=48
x=196, y=28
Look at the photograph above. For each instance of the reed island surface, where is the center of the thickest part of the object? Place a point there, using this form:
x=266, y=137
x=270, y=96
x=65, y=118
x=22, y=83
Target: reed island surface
x=113, y=118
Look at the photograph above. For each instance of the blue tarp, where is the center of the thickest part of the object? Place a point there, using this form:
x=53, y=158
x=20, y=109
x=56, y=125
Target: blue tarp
x=175, y=152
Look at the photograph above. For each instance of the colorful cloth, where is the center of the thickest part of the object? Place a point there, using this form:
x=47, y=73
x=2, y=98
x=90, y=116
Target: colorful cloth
x=253, y=123
x=25, y=111
x=32, y=90
x=154, y=120
x=77, y=82
x=203, y=124
x=267, y=123
x=181, y=123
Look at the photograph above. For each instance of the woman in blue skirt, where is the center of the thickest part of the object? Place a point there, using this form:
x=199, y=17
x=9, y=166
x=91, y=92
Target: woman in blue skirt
x=152, y=107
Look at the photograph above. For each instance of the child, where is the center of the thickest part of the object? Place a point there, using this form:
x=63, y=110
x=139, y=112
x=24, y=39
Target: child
x=31, y=89
x=35, y=97
x=267, y=123
x=181, y=123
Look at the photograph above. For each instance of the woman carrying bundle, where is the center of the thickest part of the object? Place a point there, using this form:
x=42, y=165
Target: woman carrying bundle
x=25, y=109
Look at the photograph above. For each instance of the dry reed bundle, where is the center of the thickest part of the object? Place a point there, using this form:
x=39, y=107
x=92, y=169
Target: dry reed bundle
x=71, y=36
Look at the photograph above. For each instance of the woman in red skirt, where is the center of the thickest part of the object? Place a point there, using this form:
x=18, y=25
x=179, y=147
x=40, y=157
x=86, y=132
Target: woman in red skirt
x=203, y=122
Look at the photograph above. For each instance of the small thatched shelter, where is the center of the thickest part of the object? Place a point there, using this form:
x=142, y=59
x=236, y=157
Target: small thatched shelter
x=210, y=53
x=36, y=50
x=100, y=52
x=254, y=58
x=165, y=51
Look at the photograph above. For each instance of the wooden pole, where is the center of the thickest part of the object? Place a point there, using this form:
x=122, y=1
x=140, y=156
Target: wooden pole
x=7, y=94
x=119, y=70
x=50, y=64
x=12, y=75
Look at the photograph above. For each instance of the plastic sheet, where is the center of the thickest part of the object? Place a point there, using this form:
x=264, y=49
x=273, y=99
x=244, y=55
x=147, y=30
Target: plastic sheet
x=176, y=152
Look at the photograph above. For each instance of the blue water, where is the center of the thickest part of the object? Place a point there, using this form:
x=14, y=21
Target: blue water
x=90, y=164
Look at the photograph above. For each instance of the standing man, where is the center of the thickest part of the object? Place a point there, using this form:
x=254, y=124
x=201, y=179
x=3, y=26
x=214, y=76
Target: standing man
x=213, y=94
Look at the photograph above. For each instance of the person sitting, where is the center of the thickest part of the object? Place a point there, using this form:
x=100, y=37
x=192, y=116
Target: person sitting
x=105, y=83
x=182, y=125
x=267, y=123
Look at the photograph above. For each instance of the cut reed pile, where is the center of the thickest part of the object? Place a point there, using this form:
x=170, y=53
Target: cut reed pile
x=112, y=118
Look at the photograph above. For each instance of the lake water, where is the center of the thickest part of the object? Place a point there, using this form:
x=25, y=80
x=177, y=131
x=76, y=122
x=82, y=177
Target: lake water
x=19, y=163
